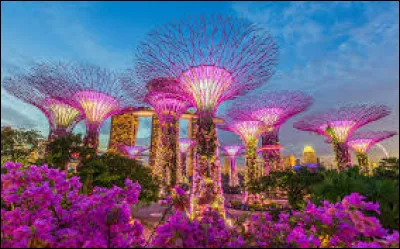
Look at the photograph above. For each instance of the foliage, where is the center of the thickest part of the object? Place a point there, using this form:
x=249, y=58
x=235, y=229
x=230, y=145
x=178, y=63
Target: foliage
x=60, y=151
x=329, y=225
x=110, y=169
x=44, y=209
x=295, y=184
x=17, y=144
x=336, y=185
x=391, y=161
x=386, y=172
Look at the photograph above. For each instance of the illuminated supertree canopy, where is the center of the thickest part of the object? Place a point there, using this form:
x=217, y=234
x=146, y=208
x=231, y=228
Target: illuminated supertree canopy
x=133, y=151
x=339, y=124
x=361, y=142
x=184, y=145
x=215, y=58
x=169, y=107
x=249, y=132
x=272, y=108
x=62, y=117
x=232, y=151
x=97, y=92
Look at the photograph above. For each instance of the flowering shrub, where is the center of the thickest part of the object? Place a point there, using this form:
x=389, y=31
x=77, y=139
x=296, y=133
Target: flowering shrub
x=44, y=209
x=341, y=224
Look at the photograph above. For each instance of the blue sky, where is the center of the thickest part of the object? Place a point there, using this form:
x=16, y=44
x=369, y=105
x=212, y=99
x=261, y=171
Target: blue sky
x=336, y=51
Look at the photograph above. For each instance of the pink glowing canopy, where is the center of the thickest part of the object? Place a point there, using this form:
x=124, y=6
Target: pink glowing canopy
x=273, y=108
x=363, y=141
x=247, y=130
x=63, y=114
x=232, y=150
x=342, y=121
x=133, y=151
x=185, y=144
x=214, y=57
x=167, y=104
x=207, y=85
x=96, y=106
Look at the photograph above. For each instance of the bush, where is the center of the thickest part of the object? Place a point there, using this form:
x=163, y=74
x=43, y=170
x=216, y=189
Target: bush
x=44, y=209
x=336, y=185
x=109, y=169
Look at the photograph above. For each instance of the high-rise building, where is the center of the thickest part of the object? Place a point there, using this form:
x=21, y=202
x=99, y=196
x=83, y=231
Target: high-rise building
x=289, y=161
x=227, y=166
x=124, y=128
x=309, y=156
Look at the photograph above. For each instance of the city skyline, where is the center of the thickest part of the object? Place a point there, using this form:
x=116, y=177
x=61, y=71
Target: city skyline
x=337, y=52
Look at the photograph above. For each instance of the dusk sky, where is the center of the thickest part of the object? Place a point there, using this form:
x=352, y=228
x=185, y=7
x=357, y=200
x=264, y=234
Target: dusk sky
x=338, y=52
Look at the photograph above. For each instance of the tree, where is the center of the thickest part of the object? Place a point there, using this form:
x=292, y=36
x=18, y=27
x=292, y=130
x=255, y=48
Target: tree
x=18, y=144
x=110, y=169
x=60, y=152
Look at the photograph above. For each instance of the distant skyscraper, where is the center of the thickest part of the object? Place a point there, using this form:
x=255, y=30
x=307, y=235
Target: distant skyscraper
x=289, y=161
x=298, y=162
x=309, y=156
x=227, y=166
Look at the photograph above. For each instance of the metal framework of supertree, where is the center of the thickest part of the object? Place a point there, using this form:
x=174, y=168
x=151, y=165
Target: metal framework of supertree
x=169, y=108
x=215, y=59
x=362, y=141
x=249, y=132
x=98, y=92
x=61, y=116
x=274, y=109
x=338, y=125
x=133, y=151
x=232, y=151
x=184, y=145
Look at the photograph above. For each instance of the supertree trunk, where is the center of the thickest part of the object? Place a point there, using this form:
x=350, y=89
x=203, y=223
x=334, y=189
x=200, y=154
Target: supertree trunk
x=167, y=155
x=271, y=157
x=343, y=159
x=206, y=191
x=251, y=161
x=92, y=136
x=233, y=177
x=59, y=132
x=183, y=176
x=363, y=162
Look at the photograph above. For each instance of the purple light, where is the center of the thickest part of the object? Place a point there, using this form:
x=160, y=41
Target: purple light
x=185, y=144
x=207, y=85
x=363, y=141
x=232, y=150
x=97, y=106
x=133, y=151
x=167, y=105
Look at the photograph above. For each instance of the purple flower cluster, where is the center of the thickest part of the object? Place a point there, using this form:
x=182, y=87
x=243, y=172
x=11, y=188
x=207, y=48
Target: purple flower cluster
x=341, y=224
x=44, y=209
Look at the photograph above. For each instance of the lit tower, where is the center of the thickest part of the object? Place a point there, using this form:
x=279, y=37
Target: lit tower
x=99, y=93
x=249, y=132
x=232, y=151
x=133, y=151
x=309, y=156
x=338, y=124
x=274, y=109
x=169, y=108
x=184, y=145
x=215, y=58
x=361, y=142
x=61, y=116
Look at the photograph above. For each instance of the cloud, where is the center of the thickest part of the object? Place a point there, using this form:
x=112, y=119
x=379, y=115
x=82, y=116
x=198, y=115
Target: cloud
x=335, y=57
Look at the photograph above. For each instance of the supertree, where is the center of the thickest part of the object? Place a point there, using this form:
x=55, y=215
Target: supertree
x=184, y=145
x=271, y=152
x=361, y=142
x=215, y=59
x=61, y=116
x=232, y=151
x=249, y=132
x=338, y=125
x=169, y=107
x=274, y=109
x=99, y=93
x=133, y=152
